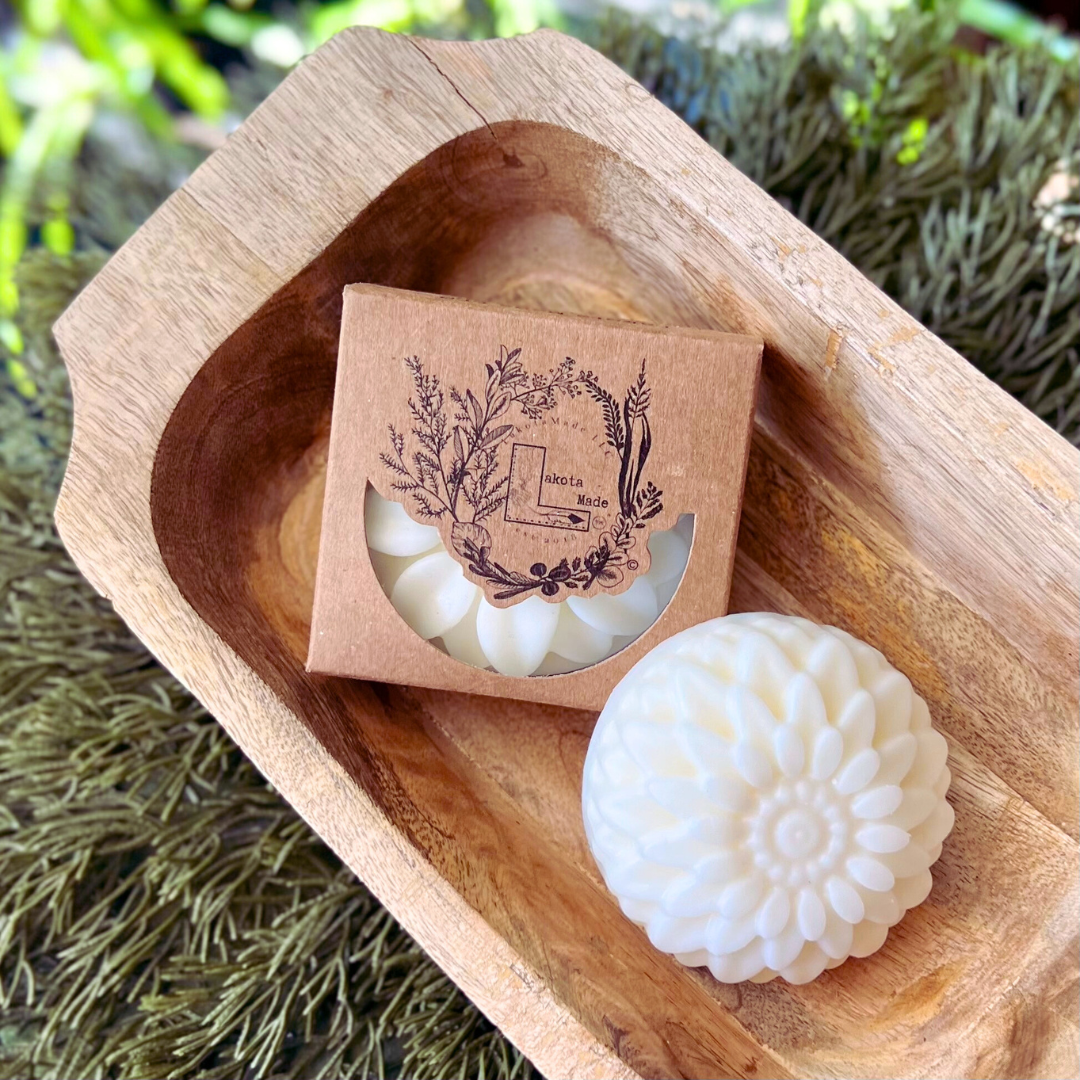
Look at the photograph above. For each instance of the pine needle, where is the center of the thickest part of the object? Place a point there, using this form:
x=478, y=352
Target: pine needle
x=924, y=165
x=163, y=912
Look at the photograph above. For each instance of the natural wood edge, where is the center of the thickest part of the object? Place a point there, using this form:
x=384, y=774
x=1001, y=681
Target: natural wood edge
x=122, y=560
x=129, y=572
x=508, y=991
x=1034, y=472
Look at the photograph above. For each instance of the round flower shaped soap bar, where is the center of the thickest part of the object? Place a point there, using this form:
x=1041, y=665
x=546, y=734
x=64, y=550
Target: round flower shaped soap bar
x=766, y=796
x=429, y=590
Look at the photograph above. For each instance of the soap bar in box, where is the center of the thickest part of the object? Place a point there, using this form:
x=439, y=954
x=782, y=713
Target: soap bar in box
x=542, y=461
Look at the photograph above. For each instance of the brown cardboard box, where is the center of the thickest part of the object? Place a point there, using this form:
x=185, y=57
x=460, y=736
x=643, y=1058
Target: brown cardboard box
x=546, y=449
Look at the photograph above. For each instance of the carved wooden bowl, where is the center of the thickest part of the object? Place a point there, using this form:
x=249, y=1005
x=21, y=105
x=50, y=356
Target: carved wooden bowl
x=892, y=490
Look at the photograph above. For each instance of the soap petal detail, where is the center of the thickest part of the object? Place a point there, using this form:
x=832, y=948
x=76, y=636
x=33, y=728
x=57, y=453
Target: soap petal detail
x=753, y=765
x=936, y=827
x=790, y=754
x=804, y=706
x=835, y=942
x=577, y=640
x=462, y=642
x=675, y=935
x=738, y=966
x=729, y=792
x=516, y=639
x=774, y=914
x=867, y=938
x=845, y=901
x=685, y=528
x=682, y=799
x=668, y=553
x=832, y=667
x=741, y=896
x=599, y=627
x=892, y=695
x=689, y=898
x=388, y=568
x=811, y=914
x=792, y=830
x=858, y=772
x=911, y=859
x=700, y=698
x=782, y=949
x=881, y=907
x=883, y=839
x=933, y=750
x=828, y=752
x=856, y=722
x=433, y=595
x=878, y=802
x=630, y=612
x=897, y=755
x=912, y=891
x=807, y=966
x=391, y=531
x=729, y=935
x=867, y=871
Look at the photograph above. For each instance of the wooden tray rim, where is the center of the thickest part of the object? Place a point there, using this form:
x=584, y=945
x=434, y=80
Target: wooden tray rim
x=123, y=403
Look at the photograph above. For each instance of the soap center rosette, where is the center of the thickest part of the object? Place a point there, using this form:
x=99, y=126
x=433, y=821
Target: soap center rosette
x=483, y=464
x=799, y=832
x=766, y=796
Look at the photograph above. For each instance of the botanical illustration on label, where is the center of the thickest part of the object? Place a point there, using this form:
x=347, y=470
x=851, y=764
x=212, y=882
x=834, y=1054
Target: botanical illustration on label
x=514, y=493
x=553, y=463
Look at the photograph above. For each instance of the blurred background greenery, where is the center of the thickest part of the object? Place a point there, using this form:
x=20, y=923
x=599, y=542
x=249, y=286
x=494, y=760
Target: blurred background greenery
x=163, y=64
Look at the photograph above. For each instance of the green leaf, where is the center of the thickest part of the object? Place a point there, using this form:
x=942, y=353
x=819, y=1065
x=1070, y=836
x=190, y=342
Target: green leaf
x=42, y=16
x=202, y=88
x=798, y=12
x=58, y=236
x=11, y=125
x=329, y=19
x=1011, y=23
x=913, y=141
x=229, y=26
x=12, y=237
x=11, y=338
x=21, y=379
x=9, y=295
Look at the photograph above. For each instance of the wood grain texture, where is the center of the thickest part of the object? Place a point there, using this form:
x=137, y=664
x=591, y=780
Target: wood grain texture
x=891, y=490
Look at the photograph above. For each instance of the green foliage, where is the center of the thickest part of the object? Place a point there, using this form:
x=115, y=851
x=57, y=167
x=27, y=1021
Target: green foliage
x=164, y=913
x=68, y=59
x=71, y=60
x=1009, y=22
x=923, y=165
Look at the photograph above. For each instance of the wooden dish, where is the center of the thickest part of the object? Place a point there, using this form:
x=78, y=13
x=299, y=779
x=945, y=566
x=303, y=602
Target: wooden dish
x=892, y=490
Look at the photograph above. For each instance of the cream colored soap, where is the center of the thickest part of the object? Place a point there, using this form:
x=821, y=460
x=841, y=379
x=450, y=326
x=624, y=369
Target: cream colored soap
x=766, y=797
x=429, y=590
